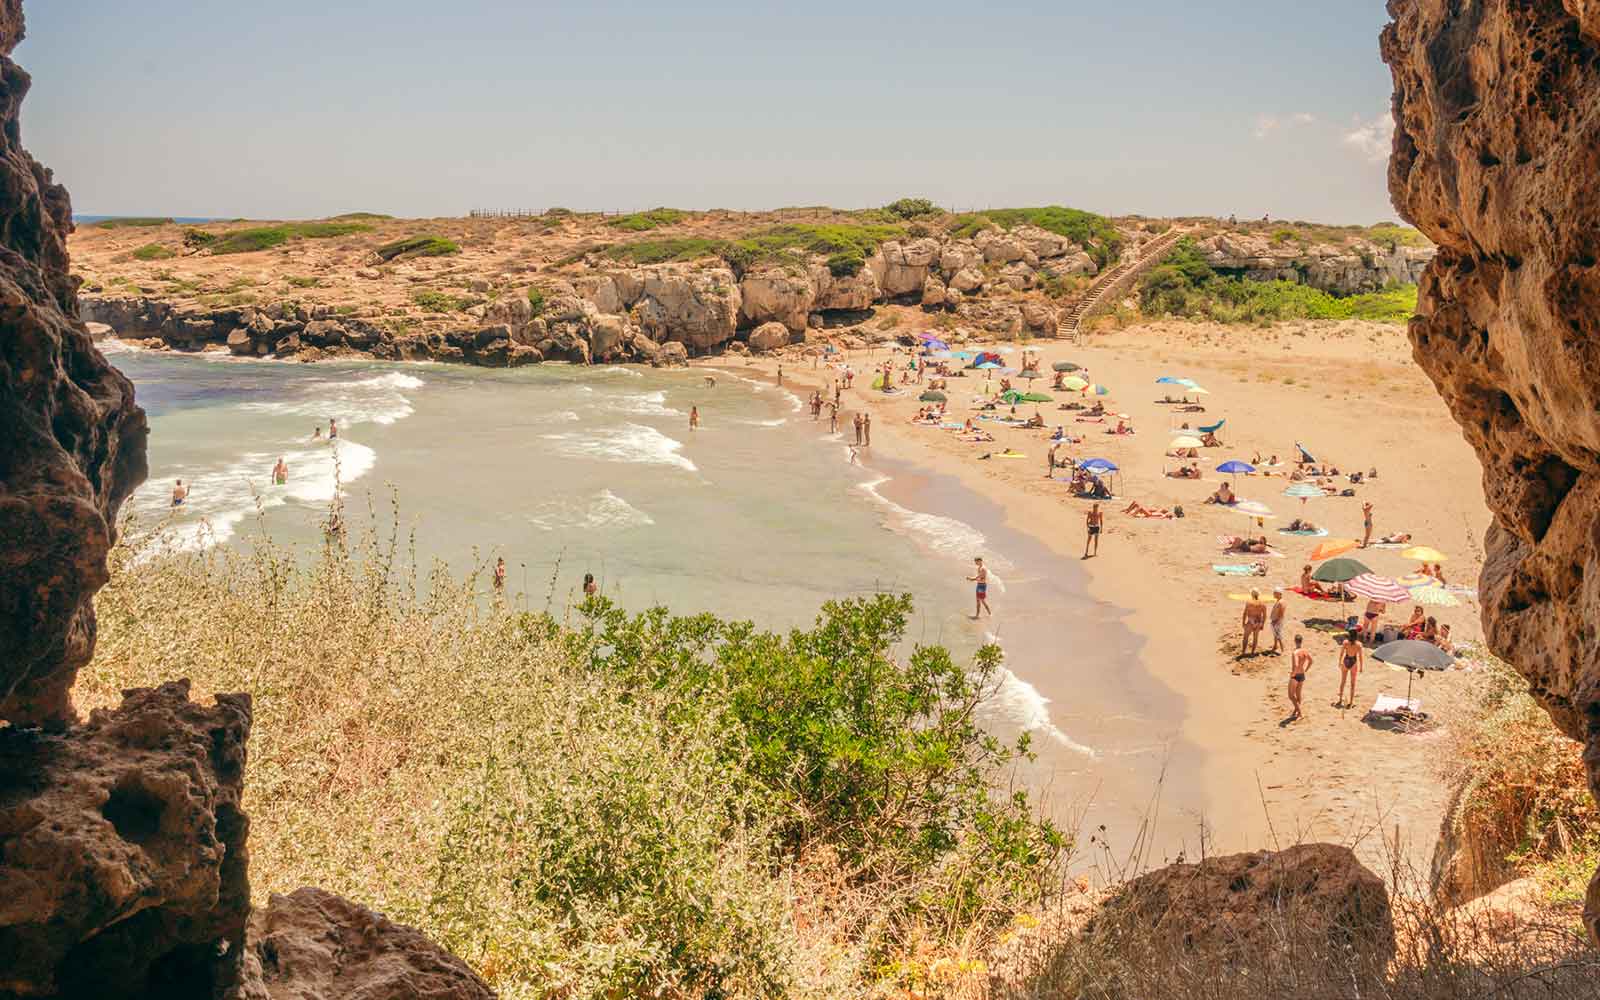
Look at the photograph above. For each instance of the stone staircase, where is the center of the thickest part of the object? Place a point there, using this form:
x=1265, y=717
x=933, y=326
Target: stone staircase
x=1114, y=281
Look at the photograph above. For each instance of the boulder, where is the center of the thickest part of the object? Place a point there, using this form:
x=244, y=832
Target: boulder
x=239, y=342
x=1316, y=894
x=933, y=293
x=738, y=347
x=671, y=353
x=953, y=298
x=519, y=354
x=600, y=290
x=1041, y=243
x=514, y=310
x=629, y=286
x=1494, y=159
x=784, y=295
x=1038, y=318
x=323, y=333
x=769, y=337
x=955, y=257
x=998, y=247
x=906, y=266
x=844, y=291
x=1075, y=262
x=287, y=345
x=606, y=337
x=968, y=279
x=122, y=849
x=645, y=348
x=313, y=945
x=1019, y=276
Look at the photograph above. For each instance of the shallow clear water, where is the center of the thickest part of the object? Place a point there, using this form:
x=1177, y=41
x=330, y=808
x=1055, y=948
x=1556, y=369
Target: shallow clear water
x=566, y=471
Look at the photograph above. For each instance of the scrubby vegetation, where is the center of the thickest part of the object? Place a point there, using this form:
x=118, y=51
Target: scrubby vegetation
x=536, y=300
x=417, y=246
x=1523, y=808
x=433, y=300
x=911, y=208
x=600, y=804
x=361, y=217
x=639, y=222
x=267, y=237
x=846, y=246
x=133, y=222
x=154, y=251
x=1185, y=285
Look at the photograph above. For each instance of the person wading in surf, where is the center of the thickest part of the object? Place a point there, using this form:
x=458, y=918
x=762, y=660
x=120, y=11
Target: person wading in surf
x=980, y=576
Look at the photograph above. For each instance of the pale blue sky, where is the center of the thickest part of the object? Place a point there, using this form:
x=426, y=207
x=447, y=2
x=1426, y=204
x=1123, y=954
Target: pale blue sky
x=291, y=108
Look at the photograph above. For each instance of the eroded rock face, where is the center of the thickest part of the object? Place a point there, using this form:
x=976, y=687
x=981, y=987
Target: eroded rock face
x=122, y=850
x=782, y=295
x=1496, y=155
x=313, y=945
x=72, y=447
x=1243, y=902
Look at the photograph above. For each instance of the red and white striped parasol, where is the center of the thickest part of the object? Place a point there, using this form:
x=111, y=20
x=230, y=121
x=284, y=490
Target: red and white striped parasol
x=1379, y=588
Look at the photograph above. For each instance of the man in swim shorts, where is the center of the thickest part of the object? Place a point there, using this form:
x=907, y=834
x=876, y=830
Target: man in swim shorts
x=280, y=472
x=981, y=577
x=1094, y=520
x=1299, y=664
x=180, y=493
x=1254, y=617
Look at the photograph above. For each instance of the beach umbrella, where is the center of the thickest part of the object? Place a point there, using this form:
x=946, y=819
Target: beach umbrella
x=1415, y=656
x=987, y=366
x=1012, y=396
x=1036, y=397
x=1253, y=508
x=1332, y=547
x=963, y=355
x=1379, y=588
x=1340, y=570
x=1064, y=366
x=1098, y=465
x=1304, y=491
x=933, y=396
x=1185, y=441
x=1005, y=350
x=1305, y=456
x=1073, y=383
x=1424, y=553
x=1234, y=466
x=1199, y=390
x=1432, y=594
x=1100, y=390
x=1169, y=380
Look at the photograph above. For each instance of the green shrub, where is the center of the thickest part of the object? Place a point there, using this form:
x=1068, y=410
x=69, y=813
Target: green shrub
x=417, y=246
x=1183, y=284
x=198, y=238
x=536, y=300
x=911, y=208
x=639, y=222
x=432, y=300
x=297, y=281
x=846, y=263
x=361, y=217
x=154, y=251
x=1095, y=233
x=132, y=222
x=777, y=245
x=267, y=237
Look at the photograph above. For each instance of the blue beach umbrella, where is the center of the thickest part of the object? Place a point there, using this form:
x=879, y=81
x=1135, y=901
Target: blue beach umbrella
x=1098, y=465
x=987, y=366
x=1233, y=467
x=1169, y=380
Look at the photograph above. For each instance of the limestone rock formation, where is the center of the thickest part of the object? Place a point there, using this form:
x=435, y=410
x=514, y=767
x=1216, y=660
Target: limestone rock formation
x=122, y=850
x=1244, y=901
x=844, y=291
x=313, y=945
x=1362, y=266
x=1496, y=152
x=72, y=448
x=784, y=295
x=698, y=308
x=933, y=293
x=906, y=265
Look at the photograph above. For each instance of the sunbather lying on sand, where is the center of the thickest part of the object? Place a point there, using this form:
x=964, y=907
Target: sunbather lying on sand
x=1137, y=509
x=1396, y=538
x=977, y=436
x=1256, y=546
x=1301, y=524
x=1185, y=472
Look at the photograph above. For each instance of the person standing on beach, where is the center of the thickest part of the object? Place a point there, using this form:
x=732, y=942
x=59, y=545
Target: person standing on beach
x=858, y=430
x=1299, y=665
x=780, y=374
x=866, y=429
x=1351, y=655
x=1366, y=524
x=500, y=574
x=694, y=418
x=1275, y=618
x=1050, y=462
x=833, y=418
x=1094, y=520
x=980, y=576
x=1254, y=617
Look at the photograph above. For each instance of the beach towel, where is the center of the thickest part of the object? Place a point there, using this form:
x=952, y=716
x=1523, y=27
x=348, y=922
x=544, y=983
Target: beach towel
x=1313, y=596
x=1090, y=420
x=1012, y=455
x=1387, y=704
x=1389, y=545
x=1314, y=533
x=1236, y=569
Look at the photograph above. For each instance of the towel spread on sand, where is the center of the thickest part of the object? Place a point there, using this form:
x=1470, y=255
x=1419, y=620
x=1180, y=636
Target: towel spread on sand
x=1239, y=569
x=1315, y=533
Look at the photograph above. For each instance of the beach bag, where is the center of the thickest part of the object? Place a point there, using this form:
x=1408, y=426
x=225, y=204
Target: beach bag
x=1347, y=493
x=1177, y=510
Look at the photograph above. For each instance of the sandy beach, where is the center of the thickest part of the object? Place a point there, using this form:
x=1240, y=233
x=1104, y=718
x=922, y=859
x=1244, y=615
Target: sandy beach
x=1349, y=392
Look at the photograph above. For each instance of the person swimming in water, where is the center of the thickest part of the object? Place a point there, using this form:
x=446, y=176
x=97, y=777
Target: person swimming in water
x=180, y=493
x=590, y=588
x=316, y=433
x=333, y=429
x=280, y=472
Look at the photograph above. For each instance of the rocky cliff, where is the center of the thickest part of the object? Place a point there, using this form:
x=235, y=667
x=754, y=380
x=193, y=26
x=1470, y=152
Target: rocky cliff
x=123, y=847
x=1496, y=155
x=1348, y=268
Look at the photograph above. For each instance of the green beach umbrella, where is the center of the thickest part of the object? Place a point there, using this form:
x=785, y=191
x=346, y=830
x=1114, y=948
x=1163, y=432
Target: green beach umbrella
x=1012, y=396
x=1036, y=397
x=1339, y=570
x=1065, y=366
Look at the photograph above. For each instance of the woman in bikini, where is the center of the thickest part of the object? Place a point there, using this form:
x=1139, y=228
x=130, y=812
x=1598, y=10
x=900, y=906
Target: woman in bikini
x=1308, y=586
x=1351, y=657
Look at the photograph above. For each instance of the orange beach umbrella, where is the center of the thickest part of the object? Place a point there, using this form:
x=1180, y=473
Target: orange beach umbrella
x=1332, y=547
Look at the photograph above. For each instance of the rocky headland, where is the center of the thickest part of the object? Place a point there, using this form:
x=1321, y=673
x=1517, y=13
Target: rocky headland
x=660, y=286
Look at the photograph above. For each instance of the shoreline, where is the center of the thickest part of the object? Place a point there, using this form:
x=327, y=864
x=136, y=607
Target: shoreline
x=1261, y=784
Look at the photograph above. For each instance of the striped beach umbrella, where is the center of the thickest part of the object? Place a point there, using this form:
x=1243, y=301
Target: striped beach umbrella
x=1253, y=508
x=1434, y=595
x=1304, y=491
x=1379, y=588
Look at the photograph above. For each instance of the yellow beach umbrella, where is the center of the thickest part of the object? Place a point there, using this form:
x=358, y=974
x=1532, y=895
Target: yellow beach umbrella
x=1424, y=553
x=1073, y=383
x=1186, y=441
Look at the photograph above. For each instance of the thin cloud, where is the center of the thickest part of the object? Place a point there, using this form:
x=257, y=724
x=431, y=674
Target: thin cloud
x=1372, y=139
x=1268, y=124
